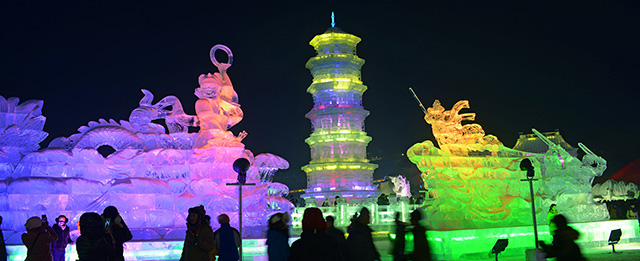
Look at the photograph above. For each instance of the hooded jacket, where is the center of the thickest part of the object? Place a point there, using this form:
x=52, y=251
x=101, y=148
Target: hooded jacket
x=42, y=236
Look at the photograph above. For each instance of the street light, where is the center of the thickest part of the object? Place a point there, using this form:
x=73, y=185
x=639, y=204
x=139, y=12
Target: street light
x=525, y=164
x=241, y=166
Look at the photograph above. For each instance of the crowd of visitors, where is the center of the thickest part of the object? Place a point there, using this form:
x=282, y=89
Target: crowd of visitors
x=102, y=238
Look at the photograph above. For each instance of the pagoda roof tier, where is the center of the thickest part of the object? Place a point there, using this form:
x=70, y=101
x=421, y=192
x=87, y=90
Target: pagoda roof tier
x=330, y=60
x=336, y=110
x=532, y=143
x=342, y=136
x=339, y=160
x=333, y=37
x=337, y=84
x=332, y=167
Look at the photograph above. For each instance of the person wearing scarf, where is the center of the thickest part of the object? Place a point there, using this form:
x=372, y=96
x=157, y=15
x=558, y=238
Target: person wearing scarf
x=198, y=242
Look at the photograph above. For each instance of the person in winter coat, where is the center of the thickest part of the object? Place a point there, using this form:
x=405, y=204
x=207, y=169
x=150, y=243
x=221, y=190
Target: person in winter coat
x=278, y=237
x=338, y=235
x=227, y=240
x=62, y=230
x=37, y=239
x=564, y=246
x=421, y=250
x=92, y=244
x=3, y=248
x=553, y=211
x=399, y=242
x=198, y=242
x=360, y=241
x=117, y=231
x=314, y=244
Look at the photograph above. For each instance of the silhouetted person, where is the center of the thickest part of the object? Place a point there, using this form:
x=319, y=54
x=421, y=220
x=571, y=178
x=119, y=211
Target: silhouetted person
x=421, y=250
x=564, y=247
x=198, y=242
x=314, y=244
x=278, y=237
x=116, y=230
x=37, y=239
x=92, y=244
x=227, y=240
x=399, y=242
x=3, y=248
x=64, y=238
x=553, y=211
x=360, y=240
x=338, y=235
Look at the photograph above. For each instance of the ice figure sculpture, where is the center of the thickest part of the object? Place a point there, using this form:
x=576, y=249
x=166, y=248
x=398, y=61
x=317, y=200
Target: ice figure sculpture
x=153, y=176
x=475, y=179
x=401, y=186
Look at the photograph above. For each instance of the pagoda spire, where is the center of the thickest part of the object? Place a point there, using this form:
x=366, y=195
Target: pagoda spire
x=333, y=20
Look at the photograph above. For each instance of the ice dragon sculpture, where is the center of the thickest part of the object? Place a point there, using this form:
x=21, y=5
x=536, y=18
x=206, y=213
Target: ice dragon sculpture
x=476, y=180
x=155, y=173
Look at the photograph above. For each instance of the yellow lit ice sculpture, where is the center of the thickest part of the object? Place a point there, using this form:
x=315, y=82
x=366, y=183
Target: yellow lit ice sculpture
x=338, y=165
x=474, y=180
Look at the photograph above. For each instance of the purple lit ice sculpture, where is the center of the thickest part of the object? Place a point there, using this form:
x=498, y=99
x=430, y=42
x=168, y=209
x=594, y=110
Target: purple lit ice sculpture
x=153, y=177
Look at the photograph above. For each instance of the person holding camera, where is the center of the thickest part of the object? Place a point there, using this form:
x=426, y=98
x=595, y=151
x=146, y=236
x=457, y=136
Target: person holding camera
x=37, y=239
x=92, y=244
x=64, y=238
x=116, y=230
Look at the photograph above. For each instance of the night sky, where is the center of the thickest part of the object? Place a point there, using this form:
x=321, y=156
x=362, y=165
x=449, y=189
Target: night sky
x=567, y=66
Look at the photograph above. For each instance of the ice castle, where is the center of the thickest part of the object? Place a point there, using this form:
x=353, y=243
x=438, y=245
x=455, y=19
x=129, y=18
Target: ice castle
x=155, y=173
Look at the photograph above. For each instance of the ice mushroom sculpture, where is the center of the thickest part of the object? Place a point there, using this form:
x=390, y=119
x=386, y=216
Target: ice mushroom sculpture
x=155, y=173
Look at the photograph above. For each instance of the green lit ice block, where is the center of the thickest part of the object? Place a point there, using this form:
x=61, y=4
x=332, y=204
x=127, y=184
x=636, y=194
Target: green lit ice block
x=477, y=243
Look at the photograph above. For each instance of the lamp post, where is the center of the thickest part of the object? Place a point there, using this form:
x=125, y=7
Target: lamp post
x=525, y=164
x=241, y=166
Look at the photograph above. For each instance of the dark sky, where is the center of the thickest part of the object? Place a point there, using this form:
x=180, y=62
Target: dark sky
x=567, y=66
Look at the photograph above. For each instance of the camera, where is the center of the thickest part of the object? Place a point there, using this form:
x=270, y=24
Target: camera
x=107, y=223
x=44, y=219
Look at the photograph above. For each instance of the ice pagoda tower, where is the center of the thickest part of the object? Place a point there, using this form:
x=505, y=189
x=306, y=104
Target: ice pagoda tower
x=338, y=166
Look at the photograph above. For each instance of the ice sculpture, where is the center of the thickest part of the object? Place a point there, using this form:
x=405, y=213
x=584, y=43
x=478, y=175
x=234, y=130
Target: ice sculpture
x=401, y=186
x=475, y=179
x=153, y=176
x=615, y=190
x=339, y=164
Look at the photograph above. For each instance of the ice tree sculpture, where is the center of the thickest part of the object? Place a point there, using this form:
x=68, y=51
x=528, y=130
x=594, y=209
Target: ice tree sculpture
x=476, y=180
x=401, y=186
x=268, y=164
x=155, y=174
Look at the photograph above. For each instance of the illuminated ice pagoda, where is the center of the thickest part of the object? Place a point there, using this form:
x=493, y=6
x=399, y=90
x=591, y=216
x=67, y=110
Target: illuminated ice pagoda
x=338, y=166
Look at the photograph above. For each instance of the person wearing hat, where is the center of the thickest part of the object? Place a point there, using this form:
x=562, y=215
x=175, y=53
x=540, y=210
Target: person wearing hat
x=278, y=237
x=37, y=239
x=117, y=231
x=64, y=238
x=360, y=240
x=198, y=243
